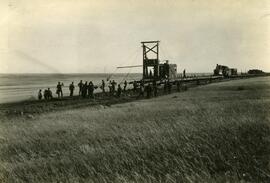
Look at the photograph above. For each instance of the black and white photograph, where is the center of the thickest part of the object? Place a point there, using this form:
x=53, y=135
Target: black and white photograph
x=134, y=91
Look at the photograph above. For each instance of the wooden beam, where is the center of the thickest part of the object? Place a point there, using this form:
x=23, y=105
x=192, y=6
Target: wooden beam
x=150, y=42
x=130, y=66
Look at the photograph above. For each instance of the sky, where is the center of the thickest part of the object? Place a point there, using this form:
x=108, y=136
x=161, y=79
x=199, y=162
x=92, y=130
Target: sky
x=96, y=36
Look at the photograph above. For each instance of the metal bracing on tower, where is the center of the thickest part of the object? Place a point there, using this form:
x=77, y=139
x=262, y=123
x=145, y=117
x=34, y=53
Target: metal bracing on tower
x=150, y=62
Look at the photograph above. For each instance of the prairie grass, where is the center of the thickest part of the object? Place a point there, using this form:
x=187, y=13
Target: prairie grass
x=212, y=133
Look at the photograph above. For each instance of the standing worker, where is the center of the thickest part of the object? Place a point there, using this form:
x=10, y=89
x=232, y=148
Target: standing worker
x=49, y=94
x=125, y=85
x=103, y=86
x=39, y=95
x=84, y=89
x=134, y=86
x=71, y=89
x=110, y=87
x=80, y=85
x=59, y=91
x=184, y=73
x=91, y=90
x=45, y=94
x=113, y=86
x=119, y=90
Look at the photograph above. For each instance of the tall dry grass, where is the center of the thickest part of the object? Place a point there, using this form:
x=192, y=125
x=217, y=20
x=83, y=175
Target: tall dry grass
x=214, y=133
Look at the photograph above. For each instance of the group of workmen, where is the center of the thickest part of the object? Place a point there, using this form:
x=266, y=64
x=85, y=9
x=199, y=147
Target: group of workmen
x=86, y=89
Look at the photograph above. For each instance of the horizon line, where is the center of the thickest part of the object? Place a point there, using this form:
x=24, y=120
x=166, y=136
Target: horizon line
x=67, y=73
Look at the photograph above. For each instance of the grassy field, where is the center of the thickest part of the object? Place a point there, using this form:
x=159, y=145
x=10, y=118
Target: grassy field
x=213, y=133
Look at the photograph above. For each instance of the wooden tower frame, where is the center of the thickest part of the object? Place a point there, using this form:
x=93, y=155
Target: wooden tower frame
x=153, y=47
